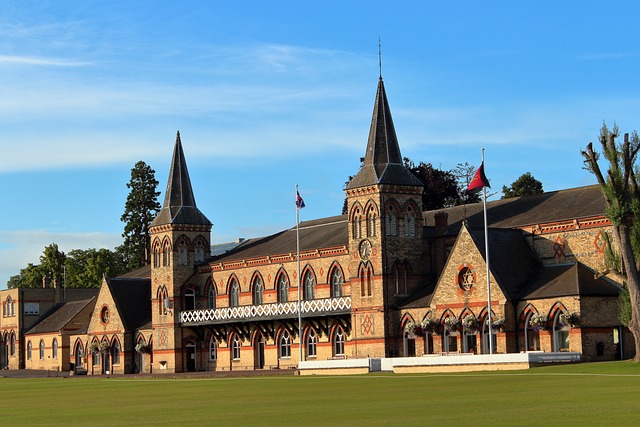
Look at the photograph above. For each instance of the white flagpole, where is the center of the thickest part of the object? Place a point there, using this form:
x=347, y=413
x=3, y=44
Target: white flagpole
x=486, y=250
x=299, y=278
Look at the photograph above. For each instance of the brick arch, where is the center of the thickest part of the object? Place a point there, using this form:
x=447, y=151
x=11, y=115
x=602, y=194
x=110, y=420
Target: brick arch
x=356, y=210
x=256, y=274
x=230, y=280
x=183, y=239
x=365, y=278
x=406, y=318
x=445, y=314
x=466, y=312
x=281, y=271
x=305, y=332
x=556, y=309
x=526, y=311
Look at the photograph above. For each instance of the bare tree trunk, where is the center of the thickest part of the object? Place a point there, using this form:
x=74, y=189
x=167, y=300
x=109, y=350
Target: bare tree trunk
x=632, y=284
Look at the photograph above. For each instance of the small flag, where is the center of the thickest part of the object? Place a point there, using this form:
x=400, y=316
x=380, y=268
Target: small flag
x=479, y=180
x=299, y=202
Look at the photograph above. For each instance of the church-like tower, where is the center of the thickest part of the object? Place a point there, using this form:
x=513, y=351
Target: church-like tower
x=385, y=235
x=180, y=239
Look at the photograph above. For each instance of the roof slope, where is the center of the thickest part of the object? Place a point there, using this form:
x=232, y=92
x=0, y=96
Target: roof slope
x=179, y=202
x=568, y=280
x=383, y=160
x=512, y=261
x=133, y=300
x=63, y=317
x=322, y=233
x=573, y=203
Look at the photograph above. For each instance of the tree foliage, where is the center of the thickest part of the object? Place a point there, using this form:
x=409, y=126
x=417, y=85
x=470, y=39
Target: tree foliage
x=525, y=185
x=140, y=208
x=440, y=186
x=86, y=268
x=622, y=196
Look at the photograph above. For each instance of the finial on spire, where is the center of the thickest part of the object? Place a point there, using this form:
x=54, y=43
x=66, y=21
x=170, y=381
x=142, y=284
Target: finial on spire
x=380, y=57
x=178, y=134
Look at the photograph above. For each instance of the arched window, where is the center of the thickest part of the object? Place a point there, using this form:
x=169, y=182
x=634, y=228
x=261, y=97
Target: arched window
x=356, y=223
x=213, y=349
x=235, y=347
x=283, y=288
x=115, y=352
x=409, y=224
x=199, y=251
x=41, y=349
x=560, y=333
x=234, y=294
x=309, y=283
x=365, y=281
x=166, y=254
x=372, y=221
x=531, y=332
x=190, y=299
x=284, y=345
x=400, y=279
x=258, y=287
x=391, y=222
x=183, y=253
x=211, y=297
x=54, y=349
x=163, y=301
x=156, y=253
x=338, y=342
x=336, y=282
x=13, y=344
x=29, y=350
x=79, y=351
x=312, y=342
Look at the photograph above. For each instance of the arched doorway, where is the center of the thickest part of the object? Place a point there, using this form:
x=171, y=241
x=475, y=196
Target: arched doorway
x=560, y=334
x=531, y=334
x=190, y=350
x=79, y=357
x=258, y=351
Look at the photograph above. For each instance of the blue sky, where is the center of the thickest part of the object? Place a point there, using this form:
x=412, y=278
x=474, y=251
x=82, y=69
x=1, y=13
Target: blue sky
x=268, y=95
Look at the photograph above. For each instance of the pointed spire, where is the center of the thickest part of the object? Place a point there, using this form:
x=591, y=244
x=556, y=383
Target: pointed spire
x=179, y=202
x=383, y=160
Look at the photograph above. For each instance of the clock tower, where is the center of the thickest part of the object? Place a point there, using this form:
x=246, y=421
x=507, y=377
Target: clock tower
x=385, y=230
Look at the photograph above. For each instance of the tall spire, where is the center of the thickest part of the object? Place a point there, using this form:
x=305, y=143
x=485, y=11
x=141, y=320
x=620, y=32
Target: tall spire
x=383, y=160
x=179, y=202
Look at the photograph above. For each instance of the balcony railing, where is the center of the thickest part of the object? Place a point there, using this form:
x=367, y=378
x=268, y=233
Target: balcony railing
x=278, y=310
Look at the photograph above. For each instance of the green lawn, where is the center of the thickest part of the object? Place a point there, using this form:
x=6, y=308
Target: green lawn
x=585, y=394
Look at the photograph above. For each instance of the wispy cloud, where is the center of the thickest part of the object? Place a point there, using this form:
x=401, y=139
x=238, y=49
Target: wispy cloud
x=30, y=60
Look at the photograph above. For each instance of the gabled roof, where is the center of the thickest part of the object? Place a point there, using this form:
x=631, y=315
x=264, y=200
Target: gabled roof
x=63, y=318
x=316, y=234
x=179, y=202
x=383, y=160
x=133, y=300
x=511, y=260
x=422, y=296
x=561, y=205
x=568, y=280
x=143, y=272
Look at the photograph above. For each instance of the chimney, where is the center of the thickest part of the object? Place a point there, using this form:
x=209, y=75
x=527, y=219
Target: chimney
x=441, y=223
x=57, y=291
x=45, y=281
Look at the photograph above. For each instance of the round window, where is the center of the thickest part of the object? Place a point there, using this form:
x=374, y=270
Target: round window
x=466, y=278
x=104, y=314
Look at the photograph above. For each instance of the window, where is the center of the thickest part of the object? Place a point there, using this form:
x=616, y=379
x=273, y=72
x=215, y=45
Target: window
x=13, y=344
x=29, y=350
x=312, y=342
x=54, y=348
x=163, y=301
x=166, y=254
x=409, y=224
x=95, y=358
x=309, y=285
x=213, y=350
x=283, y=288
x=365, y=281
x=336, y=283
x=560, y=334
x=391, y=222
x=285, y=345
x=156, y=253
x=115, y=353
x=190, y=299
x=212, y=297
x=257, y=290
x=372, y=221
x=41, y=349
x=31, y=308
x=199, y=252
x=466, y=278
x=234, y=294
x=400, y=279
x=183, y=254
x=356, y=223
x=235, y=347
x=338, y=342
x=104, y=315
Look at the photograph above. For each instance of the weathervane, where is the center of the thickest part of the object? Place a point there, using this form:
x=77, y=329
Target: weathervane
x=380, y=57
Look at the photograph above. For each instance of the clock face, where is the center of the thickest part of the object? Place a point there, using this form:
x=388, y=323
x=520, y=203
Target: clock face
x=365, y=249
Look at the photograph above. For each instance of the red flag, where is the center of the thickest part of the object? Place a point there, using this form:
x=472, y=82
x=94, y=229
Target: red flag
x=479, y=180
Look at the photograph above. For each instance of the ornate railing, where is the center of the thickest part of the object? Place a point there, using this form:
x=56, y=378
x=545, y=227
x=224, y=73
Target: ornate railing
x=286, y=309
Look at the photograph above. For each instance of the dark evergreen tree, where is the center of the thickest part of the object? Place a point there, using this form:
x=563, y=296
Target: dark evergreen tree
x=440, y=187
x=526, y=185
x=141, y=207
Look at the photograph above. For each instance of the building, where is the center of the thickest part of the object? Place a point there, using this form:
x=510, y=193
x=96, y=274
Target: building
x=386, y=280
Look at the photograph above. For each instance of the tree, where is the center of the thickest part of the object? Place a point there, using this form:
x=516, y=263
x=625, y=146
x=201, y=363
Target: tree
x=85, y=268
x=29, y=277
x=140, y=208
x=52, y=263
x=440, y=187
x=526, y=185
x=464, y=173
x=622, y=196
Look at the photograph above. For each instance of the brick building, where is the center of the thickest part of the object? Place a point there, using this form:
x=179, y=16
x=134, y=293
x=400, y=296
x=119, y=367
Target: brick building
x=387, y=279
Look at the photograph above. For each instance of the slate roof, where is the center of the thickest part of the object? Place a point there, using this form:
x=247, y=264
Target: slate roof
x=62, y=318
x=568, y=280
x=321, y=233
x=561, y=205
x=143, y=272
x=179, y=202
x=512, y=261
x=133, y=300
x=383, y=160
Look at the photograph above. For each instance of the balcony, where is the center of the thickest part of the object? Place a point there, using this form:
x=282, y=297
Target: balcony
x=248, y=313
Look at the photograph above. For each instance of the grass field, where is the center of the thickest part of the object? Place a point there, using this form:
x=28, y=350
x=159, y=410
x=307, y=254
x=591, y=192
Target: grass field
x=586, y=394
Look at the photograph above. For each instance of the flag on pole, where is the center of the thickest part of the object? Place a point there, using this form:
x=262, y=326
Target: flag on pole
x=479, y=181
x=299, y=202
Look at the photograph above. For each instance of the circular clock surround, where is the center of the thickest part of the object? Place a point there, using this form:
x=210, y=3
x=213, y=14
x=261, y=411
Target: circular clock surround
x=365, y=249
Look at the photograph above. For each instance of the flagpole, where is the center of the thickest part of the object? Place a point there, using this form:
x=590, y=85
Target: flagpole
x=299, y=278
x=486, y=250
